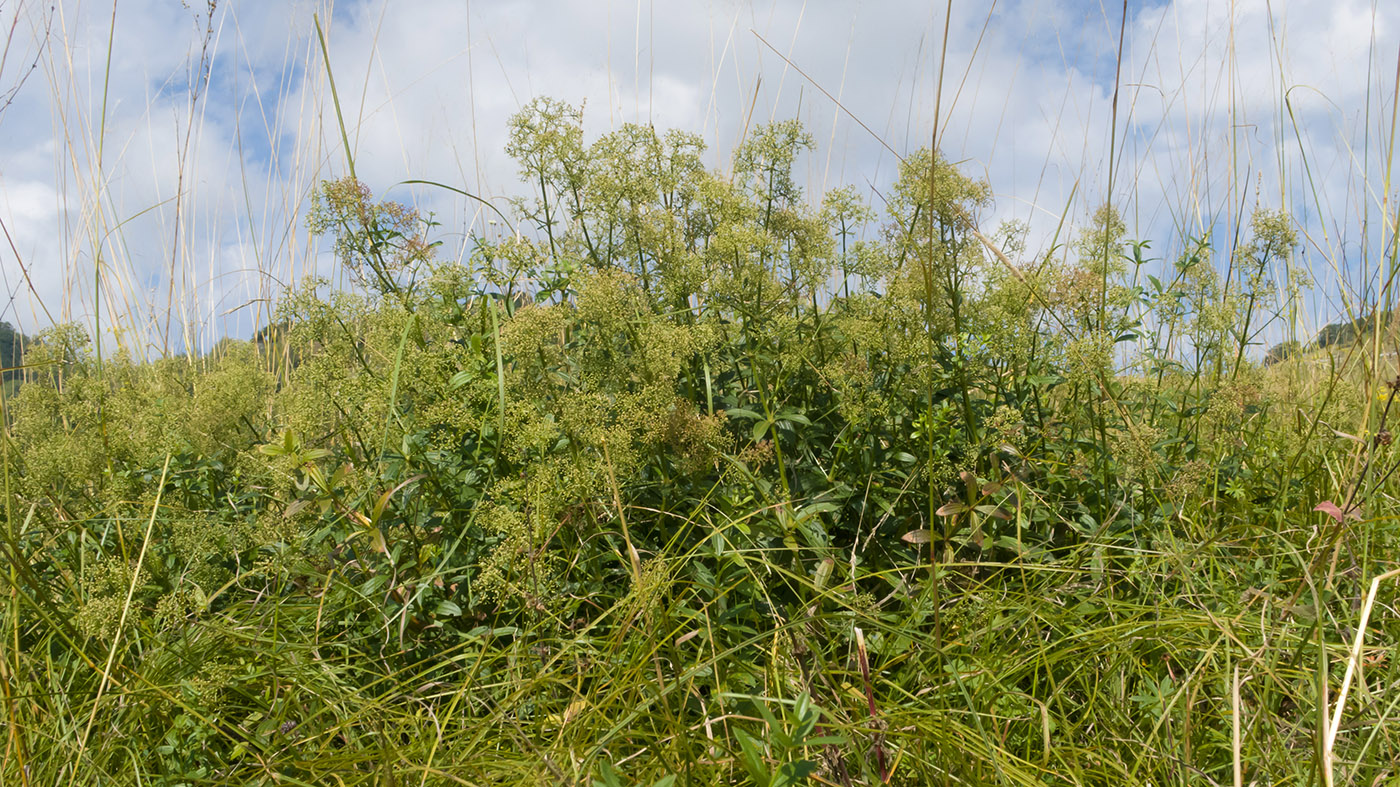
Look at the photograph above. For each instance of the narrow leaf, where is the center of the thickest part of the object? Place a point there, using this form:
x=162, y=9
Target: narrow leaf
x=739, y=412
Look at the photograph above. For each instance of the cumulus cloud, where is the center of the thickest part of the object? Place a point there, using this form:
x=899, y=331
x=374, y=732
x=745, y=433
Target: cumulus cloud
x=190, y=209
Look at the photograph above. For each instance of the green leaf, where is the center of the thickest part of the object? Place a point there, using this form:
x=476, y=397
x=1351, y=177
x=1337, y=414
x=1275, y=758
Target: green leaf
x=751, y=759
x=739, y=412
x=825, y=507
x=790, y=773
x=1008, y=542
x=760, y=429
x=609, y=775
x=795, y=417
x=379, y=505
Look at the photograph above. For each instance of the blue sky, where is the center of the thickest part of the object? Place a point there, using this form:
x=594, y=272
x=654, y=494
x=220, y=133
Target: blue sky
x=193, y=212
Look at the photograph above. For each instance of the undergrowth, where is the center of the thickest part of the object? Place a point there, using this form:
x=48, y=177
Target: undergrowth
x=691, y=478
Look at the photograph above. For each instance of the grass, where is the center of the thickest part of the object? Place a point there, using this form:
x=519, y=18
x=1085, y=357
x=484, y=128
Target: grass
x=696, y=478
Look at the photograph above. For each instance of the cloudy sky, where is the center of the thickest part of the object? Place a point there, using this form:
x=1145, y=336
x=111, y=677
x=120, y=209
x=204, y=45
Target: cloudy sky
x=130, y=179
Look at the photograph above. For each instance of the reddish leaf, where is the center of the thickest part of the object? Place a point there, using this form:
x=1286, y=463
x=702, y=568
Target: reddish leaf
x=949, y=509
x=1330, y=509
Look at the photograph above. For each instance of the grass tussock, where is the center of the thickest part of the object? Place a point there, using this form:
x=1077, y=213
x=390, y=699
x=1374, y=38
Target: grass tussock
x=683, y=479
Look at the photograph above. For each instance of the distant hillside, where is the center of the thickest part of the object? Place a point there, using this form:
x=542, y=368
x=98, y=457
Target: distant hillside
x=1345, y=332
x=12, y=344
x=1340, y=334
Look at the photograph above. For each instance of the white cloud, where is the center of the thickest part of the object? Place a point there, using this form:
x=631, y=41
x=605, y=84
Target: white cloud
x=427, y=90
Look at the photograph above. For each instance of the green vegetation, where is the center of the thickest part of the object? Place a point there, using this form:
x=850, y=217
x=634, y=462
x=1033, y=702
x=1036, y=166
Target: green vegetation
x=738, y=492
x=12, y=344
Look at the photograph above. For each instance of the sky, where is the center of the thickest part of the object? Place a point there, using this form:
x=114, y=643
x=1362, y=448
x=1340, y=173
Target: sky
x=157, y=157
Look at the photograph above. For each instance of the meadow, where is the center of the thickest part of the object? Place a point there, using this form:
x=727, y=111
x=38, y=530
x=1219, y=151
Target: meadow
x=693, y=476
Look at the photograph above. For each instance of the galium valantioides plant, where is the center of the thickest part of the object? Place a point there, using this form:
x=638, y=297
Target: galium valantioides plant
x=609, y=501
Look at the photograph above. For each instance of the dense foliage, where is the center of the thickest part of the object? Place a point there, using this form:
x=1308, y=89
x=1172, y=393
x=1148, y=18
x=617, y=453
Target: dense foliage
x=693, y=478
